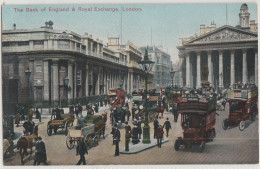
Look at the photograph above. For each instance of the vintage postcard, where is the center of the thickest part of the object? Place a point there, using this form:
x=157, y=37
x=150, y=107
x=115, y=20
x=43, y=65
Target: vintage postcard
x=129, y=84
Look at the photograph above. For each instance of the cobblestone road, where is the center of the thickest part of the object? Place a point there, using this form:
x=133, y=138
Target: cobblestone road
x=229, y=147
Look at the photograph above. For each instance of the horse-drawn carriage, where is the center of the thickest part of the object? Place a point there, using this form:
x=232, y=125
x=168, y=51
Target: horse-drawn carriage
x=198, y=117
x=242, y=105
x=64, y=122
x=95, y=127
x=138, y=105
x=118, y=108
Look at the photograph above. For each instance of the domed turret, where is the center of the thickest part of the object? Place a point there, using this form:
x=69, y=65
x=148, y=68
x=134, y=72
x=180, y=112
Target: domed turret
x=244, y=16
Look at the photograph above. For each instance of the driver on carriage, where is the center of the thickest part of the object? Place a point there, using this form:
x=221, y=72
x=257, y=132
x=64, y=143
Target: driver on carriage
x=81, y=122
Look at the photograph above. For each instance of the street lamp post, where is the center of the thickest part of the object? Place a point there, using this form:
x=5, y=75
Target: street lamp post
x=172, y=76
x=28, y=73
x=146, y=65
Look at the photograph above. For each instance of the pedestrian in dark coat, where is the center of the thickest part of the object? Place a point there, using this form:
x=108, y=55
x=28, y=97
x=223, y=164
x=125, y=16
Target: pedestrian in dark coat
x=167, y=126
x=40, y=153
x=127, y=136
x=58, y=113
x=159, y=136
x=37, y=113
x=117, y=140
x=135, y=139
x=156, y=125
x=139, y=126
x=17, y=119
x=82, y=150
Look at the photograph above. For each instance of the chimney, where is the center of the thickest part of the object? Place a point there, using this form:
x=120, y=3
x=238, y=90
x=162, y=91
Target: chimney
x=253, y=26
x=202, y=29
x=14, y=26
x=213, y=26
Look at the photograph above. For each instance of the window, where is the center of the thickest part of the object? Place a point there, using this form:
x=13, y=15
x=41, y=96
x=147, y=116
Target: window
x=38, y=42
x=23, y=43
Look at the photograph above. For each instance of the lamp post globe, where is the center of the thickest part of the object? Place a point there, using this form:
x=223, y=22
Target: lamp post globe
x=146, y=65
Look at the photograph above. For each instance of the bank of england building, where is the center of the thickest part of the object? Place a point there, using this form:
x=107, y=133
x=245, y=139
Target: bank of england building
x=45, y=67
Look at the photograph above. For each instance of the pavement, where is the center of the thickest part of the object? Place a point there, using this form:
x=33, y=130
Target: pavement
x=137, y=148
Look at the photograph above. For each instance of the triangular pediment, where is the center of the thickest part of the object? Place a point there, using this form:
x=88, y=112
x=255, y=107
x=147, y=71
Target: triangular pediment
x=223, y=34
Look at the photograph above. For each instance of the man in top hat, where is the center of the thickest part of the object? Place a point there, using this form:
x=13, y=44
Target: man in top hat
x=167, y=126
x=40, y=152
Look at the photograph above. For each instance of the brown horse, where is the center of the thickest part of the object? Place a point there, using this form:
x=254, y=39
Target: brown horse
x=26, y=142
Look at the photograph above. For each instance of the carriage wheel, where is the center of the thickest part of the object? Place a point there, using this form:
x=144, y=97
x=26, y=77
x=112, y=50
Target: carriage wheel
x=69, y=142
x=49, y=129
x=95, y=141
x=225, y=124
x=66, y=128
x=88, y=141
x=177, y=145
x=202, y=146
x=242, y=125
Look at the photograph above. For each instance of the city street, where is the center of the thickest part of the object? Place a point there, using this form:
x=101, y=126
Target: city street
x=229, y=147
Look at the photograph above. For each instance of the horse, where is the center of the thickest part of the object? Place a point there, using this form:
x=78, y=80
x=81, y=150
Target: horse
x=26, y=142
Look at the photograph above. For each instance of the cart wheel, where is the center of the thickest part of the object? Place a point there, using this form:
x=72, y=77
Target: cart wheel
x=202, y=146
x=66, y=128
x=95, y=141
x=242, y=125
x=177, y=145
x=69, y=142
x=49, y=129
x=225, y=124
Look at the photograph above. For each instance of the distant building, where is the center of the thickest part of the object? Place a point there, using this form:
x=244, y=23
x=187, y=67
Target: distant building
x=162, y=66
x=230, y=53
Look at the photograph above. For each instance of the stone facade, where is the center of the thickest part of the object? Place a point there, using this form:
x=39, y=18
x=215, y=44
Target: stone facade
x=56, y=57
x=230, y=53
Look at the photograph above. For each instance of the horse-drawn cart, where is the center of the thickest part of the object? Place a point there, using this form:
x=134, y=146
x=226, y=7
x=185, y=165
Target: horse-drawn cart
x=90, y=133
x=65, y=122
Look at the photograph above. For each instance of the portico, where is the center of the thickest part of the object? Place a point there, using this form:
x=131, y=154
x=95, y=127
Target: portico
x=227, y=50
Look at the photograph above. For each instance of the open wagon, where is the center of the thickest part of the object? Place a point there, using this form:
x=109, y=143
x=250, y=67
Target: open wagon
x=242, y=105
x=198, y=117
x=65, y=122
x=91, y=133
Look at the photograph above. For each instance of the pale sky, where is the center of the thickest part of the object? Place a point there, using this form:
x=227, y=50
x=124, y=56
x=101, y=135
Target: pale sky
x=169, y=22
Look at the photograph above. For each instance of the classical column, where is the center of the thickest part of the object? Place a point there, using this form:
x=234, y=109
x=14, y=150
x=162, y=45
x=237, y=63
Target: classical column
x=87, y=94
x=70, y=77
x=128, y=82
x=198, y=71
x=46, y=94
x=244, y=67
x=75, y=81
x=132, y=82
x=210, y=67
x=256, y=67
x=187, y=70
x=55, y=81
x=220, y=80
x=98, y=81
x=232, y=68
x=180, y=72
